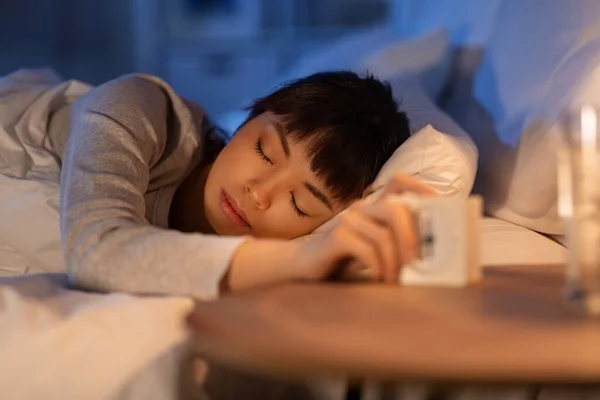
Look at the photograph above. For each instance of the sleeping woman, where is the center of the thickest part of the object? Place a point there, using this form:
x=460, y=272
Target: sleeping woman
x=154, y=201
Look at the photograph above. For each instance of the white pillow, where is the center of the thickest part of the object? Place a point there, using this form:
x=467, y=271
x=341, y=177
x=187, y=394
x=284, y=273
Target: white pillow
x=470, y=21
x=555, y=56
x=533, y=67
x=427, y=58
x=342, y=53
x=438, y=153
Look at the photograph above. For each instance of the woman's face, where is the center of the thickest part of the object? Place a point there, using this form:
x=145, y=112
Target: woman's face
x=261, y=185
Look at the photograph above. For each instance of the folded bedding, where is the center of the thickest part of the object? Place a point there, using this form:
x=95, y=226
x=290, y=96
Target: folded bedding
x=58, y=343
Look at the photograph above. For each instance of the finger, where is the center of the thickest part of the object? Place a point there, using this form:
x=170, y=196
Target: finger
x=347, y=244
x=381, y=238
x=401, y=221
x=356, y=271
x=405, y=228
x=402, y=183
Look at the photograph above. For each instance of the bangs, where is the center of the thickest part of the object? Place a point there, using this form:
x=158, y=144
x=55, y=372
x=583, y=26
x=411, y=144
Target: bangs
x=346, y=167
x=351, y=125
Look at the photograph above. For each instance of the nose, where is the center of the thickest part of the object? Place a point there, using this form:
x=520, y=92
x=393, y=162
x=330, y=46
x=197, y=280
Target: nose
x=260, y=193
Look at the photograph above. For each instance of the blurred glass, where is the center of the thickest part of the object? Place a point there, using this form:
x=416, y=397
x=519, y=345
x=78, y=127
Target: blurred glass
x=579, y=203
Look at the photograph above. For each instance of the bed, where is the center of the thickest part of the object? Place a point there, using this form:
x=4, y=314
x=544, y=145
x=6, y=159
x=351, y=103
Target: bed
x=60, y=343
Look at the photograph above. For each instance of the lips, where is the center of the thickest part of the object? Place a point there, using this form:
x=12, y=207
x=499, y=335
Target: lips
x=232, y=210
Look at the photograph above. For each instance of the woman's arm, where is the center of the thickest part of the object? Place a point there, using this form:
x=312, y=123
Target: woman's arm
x=118, y=132
x=371, y=240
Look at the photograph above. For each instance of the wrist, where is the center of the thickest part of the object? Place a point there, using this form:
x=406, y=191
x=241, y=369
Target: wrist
x=263, y=261
x=295, y=263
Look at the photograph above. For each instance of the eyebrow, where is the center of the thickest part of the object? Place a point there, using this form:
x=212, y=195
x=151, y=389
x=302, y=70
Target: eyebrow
x=283, y=138
x=318, y=195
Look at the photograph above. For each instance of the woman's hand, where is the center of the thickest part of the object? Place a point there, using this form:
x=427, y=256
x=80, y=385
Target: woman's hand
x=369, y=241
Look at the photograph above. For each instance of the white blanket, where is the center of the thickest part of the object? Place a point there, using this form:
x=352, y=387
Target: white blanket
x=62, y=344
x=30, y=171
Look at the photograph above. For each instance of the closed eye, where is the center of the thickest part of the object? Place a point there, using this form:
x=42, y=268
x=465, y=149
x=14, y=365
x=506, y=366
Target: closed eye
x=260, y=152
x=296, y=208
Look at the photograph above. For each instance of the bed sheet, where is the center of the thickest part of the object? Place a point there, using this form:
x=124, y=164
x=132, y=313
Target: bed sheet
x=504, y=243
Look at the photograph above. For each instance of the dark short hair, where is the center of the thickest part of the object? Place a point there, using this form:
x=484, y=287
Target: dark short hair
x=352, y=125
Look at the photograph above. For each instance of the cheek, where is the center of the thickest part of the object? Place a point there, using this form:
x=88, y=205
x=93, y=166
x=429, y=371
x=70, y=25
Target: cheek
x=281, y=222
x=234, y=166
x=233, y=161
